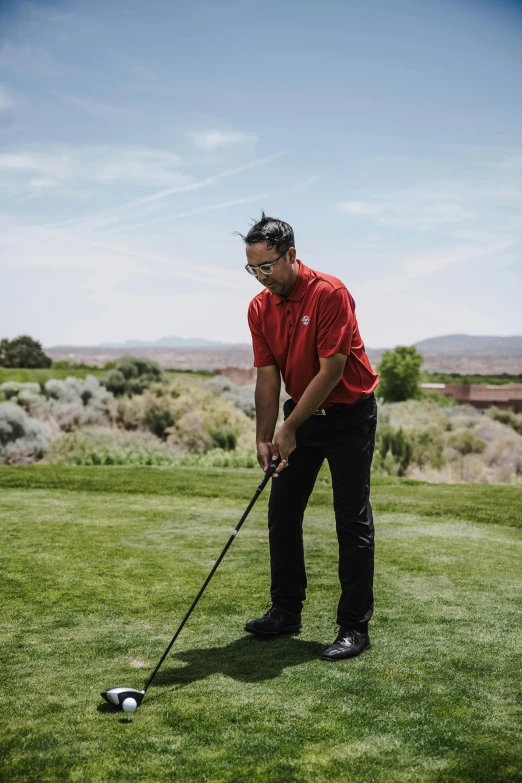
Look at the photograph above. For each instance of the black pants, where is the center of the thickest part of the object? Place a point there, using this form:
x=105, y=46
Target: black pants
x=345, y=436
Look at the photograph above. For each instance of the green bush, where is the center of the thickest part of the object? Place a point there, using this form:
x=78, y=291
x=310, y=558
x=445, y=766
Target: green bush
x=12, y=389
x=116, y=456
x=397, y=444
x=115, y=383
x=24, y=352
x=466, y=442
x=400, y=373
x=133, y=375
x=513, y=420
x=158, y=418
x=428, y=449
x=22, y=439
x=224, y=439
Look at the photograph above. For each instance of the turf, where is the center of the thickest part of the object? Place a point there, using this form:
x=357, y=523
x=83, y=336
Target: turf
x=98, y=566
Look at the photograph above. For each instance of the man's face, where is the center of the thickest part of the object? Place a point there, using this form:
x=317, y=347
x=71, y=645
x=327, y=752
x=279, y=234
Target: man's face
x=284, y=273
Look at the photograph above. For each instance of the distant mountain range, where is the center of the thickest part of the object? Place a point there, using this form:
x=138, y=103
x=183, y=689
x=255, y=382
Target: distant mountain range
x=460, y=353
x=446, y=344
x=470, y=344
x=168, y=342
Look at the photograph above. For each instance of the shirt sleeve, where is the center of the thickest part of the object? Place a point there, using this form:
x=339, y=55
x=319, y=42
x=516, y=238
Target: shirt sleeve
x=335, y=324
x=263, y=356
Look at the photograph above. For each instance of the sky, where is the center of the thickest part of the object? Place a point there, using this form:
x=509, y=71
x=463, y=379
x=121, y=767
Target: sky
x=135, y=138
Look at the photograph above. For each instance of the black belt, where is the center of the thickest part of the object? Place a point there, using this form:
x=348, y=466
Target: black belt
x=338, y=406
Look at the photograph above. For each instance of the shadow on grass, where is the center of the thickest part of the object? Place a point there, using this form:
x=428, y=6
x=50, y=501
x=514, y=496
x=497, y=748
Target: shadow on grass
x=485, y=765
x=107, y=708
x=249, y=659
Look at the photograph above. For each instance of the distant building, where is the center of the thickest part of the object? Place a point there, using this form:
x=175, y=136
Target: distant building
x=507, y=397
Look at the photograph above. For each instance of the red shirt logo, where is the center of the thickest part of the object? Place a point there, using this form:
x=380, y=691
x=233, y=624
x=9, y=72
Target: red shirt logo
x=306, y=320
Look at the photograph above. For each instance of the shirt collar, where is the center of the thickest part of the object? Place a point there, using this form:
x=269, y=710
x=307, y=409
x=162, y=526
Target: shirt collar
x=303, y=276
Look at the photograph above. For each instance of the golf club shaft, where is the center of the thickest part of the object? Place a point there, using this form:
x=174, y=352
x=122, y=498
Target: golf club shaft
x=268, y=475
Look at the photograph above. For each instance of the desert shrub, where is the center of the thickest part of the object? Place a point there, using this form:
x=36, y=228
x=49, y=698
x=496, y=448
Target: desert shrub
x=115, y=383
x=511, y=419
x=394, y=443
x=158, y=418
x=32, y=402
x=146, y=411
x=118, y=456
x=506, y=450
x=466, y=442
x=417, y=415
x=106, y=446
x=22, y=439
x=67, y=415
x=472, y=469
x=217, y=458
x=214, y=412
x=79, y=447
x=439, y=399
x=129, y=413
x=241, y=396
x=64, y=391
x=133, y=375
x=186, y=419
x=26, y=395
x=219, y=384
x=191, y=432
x=224, y=439
x=428, y=449
x=12, y=389
x=75, y=402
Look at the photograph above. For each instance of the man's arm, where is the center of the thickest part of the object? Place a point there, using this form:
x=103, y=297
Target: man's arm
x=330, y=373
x=268, y=389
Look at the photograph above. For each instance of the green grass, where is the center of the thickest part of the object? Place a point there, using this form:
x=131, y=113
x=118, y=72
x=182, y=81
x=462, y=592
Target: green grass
x=43, y=375
x=98, y=565
x=454, y=377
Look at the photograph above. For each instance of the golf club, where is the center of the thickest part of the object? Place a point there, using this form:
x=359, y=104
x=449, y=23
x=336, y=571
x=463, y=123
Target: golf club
x=128, y=699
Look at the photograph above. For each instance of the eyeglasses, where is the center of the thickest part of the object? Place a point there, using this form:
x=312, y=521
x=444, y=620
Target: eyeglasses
x=266, y=268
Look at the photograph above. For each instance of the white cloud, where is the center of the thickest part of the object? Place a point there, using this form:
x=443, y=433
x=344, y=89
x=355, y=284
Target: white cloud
x=357, y=208
x=42, y=183
x=212, y=139
x=68, y=166
x=7, y=100
x=26, y=59
x=225, y=204
x=422, y=208
x=100, y=109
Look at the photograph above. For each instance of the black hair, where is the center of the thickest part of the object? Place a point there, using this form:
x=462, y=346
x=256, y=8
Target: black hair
x=276, y=233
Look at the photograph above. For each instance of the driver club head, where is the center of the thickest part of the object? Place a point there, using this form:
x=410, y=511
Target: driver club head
x=116, y=696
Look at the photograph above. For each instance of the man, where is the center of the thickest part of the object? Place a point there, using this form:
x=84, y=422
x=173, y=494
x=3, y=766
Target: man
x=304, y=329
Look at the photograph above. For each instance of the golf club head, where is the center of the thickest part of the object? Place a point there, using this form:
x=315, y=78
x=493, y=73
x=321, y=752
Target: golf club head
x=116, y=696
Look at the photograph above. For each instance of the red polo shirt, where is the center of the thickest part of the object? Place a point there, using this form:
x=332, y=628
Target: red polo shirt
x=316, y=320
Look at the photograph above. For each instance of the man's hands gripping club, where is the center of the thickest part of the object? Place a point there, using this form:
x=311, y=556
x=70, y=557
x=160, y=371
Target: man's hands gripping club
x=268, y=388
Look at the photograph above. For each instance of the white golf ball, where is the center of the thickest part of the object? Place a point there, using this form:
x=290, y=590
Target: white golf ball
x=129, y=705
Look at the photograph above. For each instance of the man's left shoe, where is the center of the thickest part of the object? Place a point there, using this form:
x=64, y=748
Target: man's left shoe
x=348, y=644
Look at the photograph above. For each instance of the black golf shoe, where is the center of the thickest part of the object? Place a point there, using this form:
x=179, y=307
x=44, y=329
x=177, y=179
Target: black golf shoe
x=274, y=622
x=348, y=644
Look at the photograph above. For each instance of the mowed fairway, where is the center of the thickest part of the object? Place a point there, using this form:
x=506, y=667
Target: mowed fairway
x=98, y=566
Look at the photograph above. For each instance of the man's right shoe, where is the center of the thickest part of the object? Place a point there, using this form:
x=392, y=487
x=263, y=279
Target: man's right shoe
x=348, y=644
x=275, y=622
